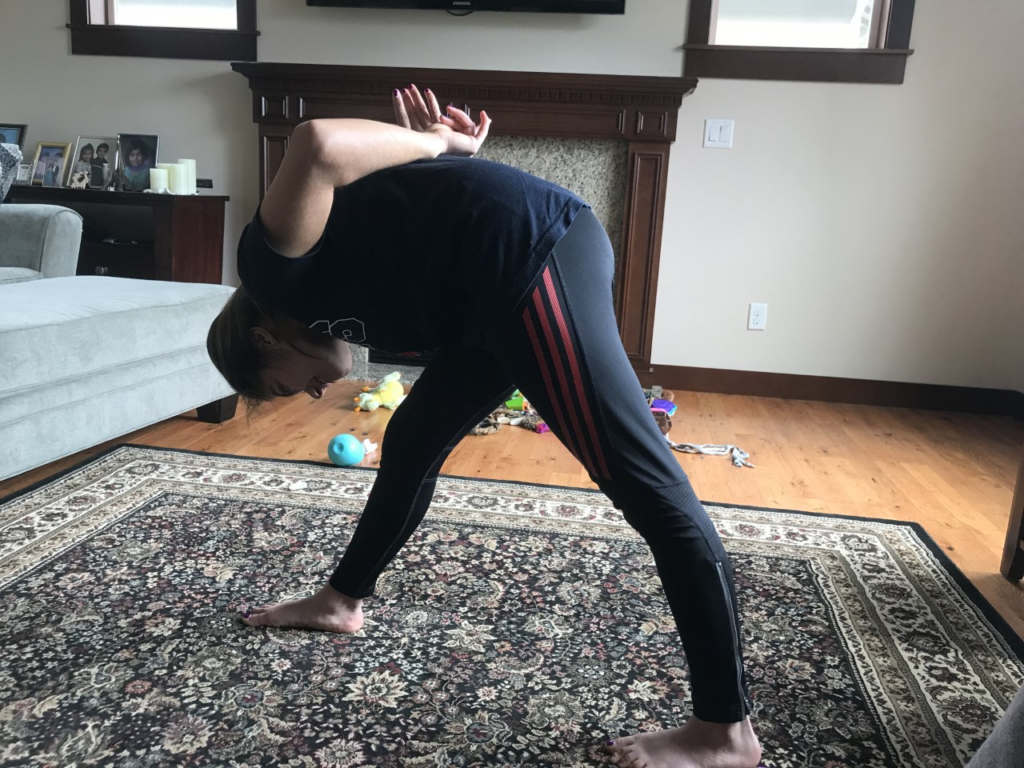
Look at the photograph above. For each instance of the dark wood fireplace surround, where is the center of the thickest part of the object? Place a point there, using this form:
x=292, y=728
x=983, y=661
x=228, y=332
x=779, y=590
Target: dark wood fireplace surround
x=640, y=111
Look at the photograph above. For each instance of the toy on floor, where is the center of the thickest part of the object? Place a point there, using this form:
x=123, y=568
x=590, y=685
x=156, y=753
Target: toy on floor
x=664, y=408
x=389, y=393
x=737, y=455
x=517, y=402
x=664, y=405
x=530, y=420
x=345, y=450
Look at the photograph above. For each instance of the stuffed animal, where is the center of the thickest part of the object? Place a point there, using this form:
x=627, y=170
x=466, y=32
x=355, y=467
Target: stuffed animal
x=388, y=394
x=80, y=180
x=530, y=420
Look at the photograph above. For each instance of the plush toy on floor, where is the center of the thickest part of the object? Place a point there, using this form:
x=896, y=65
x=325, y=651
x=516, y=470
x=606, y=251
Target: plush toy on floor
x=345, y=450
x=388, y=394
x=530, y=420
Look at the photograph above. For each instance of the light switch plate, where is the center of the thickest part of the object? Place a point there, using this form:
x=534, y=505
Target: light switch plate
x=718, y=134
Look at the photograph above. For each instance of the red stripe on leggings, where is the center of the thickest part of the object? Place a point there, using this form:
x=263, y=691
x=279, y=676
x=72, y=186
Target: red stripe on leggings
x=548, y=383
x=574, y=365
x=560, y=370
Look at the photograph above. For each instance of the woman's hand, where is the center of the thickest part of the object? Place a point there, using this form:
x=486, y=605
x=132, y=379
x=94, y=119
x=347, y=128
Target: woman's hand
x=460, y=134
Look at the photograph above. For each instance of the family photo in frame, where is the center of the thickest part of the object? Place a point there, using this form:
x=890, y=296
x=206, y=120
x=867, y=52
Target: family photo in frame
x=97, y=157
x=50, y=164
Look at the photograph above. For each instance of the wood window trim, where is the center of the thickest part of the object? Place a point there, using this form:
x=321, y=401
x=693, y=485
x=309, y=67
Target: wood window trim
x=164, y=42
x=843, y=65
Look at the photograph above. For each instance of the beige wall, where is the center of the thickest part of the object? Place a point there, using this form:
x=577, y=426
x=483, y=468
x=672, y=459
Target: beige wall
x=883, y=225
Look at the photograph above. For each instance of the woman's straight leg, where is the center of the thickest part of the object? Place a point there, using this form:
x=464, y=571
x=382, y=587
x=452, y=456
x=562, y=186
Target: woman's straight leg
x=563, y=350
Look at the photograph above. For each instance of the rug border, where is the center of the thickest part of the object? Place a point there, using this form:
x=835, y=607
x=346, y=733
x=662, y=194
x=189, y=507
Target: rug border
x=1010, y=637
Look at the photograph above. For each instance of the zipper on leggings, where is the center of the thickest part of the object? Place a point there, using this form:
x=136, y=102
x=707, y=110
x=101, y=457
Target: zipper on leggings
x=735, y=627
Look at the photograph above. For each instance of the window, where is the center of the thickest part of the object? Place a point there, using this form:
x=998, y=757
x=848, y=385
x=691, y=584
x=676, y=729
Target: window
x=797, y=23
x=826, y=40
x=196, y=14
x=223, y=30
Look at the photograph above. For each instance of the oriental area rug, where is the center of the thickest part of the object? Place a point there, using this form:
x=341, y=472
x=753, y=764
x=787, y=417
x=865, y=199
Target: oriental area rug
x=522, y=625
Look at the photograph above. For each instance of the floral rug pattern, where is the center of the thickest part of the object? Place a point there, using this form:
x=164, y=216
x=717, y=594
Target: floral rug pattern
x=521, y=626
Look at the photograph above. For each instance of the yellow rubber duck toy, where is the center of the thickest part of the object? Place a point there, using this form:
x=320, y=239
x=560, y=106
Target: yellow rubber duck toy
x=388, y=394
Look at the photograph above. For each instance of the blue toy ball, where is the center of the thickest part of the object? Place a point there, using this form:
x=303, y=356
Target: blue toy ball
x=345, y=450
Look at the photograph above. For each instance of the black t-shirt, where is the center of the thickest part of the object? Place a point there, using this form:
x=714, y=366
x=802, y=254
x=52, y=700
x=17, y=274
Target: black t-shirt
x=416, y=256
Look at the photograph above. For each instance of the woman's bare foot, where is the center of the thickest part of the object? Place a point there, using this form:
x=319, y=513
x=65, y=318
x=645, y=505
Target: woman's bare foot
x=328, y=610
x=698, y=744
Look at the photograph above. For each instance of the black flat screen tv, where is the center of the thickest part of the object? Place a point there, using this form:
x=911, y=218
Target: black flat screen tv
x=530, y=6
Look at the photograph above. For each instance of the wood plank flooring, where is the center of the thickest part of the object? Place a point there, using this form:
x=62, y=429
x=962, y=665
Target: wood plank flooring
x=952, y=473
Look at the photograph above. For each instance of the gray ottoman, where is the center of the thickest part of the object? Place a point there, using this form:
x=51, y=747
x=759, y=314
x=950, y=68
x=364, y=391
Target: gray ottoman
x=87, y=359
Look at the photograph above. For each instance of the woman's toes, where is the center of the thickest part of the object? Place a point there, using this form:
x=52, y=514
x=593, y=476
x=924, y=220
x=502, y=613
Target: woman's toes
x=264, y=618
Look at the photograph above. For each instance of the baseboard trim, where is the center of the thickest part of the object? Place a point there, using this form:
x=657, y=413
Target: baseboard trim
x=894, y=394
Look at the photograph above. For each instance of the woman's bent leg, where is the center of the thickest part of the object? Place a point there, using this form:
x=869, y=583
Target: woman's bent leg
x=419, y=437
x=421, y=434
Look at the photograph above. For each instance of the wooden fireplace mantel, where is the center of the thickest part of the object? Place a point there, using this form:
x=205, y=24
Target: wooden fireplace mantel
x=641, y=111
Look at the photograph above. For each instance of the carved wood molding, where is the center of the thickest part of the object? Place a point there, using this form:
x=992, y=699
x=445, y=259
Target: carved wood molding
x=646, y=179
x=494, y=86
x=639, y=110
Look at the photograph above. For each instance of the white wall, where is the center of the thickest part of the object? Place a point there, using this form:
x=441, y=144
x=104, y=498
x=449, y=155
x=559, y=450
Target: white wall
x=884, y=225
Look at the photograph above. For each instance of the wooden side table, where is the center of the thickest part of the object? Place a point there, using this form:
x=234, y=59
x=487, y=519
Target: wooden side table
x=173, y=237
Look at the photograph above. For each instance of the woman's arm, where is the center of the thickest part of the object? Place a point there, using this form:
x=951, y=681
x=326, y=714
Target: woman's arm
x=323, y=155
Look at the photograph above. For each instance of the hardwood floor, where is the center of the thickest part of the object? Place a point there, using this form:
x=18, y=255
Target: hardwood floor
x=952, y=473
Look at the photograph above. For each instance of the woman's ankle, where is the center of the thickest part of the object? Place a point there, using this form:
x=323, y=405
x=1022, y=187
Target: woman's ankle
x=741, y=726
x=338, y=600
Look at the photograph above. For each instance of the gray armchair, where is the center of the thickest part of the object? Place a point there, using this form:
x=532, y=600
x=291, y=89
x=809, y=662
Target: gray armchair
x=38, y=241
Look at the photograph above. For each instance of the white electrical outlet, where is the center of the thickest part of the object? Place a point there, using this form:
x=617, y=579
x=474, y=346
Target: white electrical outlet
x=757, y=317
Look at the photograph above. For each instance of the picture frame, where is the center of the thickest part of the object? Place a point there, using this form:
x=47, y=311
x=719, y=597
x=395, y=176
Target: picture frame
x=136, y=157
x=50, y=165
x=100, y=163
x=13, y=133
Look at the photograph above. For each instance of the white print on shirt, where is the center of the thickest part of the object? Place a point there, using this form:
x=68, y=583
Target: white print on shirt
x=349, y=329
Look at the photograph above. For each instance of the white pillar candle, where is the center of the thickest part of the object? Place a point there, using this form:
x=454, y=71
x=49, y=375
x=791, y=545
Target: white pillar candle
x=191, y=164
x=158, y=179
x=166, y=167
x=178, y=178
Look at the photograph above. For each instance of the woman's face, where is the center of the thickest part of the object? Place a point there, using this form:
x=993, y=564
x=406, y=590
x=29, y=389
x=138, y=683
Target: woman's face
x=309, y=368
x=135, y=157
